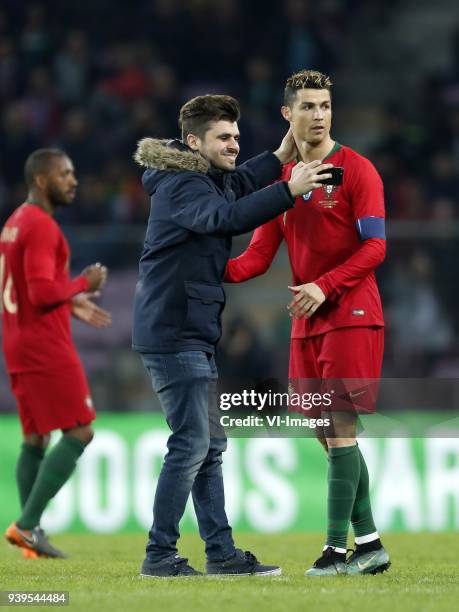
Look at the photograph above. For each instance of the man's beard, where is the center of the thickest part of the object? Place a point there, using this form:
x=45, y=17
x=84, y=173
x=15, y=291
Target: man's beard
x=57, y=199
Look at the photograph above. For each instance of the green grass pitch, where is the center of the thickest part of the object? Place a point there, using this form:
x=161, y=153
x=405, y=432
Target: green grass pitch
x=102, y=574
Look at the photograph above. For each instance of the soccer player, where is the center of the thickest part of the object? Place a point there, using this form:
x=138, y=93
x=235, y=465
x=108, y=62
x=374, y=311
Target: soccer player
x=335, y=243
x=37, y=298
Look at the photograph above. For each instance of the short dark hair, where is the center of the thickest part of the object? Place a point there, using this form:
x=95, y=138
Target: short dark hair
x=304, y=79
x=196, y=114
x=39, y=162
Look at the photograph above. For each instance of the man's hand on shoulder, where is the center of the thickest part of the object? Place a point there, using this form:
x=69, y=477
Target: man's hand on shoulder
x=307, y=299
x=84, y=309
x=287, y=150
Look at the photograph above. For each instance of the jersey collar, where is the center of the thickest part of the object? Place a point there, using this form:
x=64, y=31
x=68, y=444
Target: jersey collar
x=336, y=147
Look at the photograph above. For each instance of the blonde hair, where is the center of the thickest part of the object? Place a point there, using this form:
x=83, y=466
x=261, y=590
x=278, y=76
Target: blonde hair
x=305, y=79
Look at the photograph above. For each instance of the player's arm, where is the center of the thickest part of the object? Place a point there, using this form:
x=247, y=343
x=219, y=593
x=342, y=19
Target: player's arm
x=349, y=274
x=258, y=256
x=84, y=309
x=367, y=201
x=44, y=290
x=307, y=298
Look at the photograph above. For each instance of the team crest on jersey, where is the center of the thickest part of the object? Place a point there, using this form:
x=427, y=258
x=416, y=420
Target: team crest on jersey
x=329, y=192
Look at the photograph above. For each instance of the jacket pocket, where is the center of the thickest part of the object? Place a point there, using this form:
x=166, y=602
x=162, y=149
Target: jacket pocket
x=204, y=306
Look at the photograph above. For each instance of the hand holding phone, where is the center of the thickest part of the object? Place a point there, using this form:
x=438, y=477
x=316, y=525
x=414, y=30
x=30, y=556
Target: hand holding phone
x=336, y=176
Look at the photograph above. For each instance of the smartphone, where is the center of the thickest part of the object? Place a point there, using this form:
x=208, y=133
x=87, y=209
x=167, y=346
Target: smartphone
x=336, y=176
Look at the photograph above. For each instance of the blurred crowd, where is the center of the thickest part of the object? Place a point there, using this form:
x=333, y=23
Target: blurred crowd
x=94, y=80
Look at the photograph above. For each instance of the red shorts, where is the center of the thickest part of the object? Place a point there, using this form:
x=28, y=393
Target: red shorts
x=57, y=399
x=351, y=353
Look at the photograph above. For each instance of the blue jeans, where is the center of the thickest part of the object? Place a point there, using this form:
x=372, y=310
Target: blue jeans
x=186, y=384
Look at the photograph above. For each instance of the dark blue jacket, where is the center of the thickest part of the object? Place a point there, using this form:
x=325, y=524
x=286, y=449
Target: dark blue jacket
x=194, y=212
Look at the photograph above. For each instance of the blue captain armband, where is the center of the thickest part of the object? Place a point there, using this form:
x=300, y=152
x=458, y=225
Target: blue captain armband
x=371, y=227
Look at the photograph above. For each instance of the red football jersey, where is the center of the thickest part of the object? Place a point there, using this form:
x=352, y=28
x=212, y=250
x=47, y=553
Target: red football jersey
x=35, y=292
x=325, y=247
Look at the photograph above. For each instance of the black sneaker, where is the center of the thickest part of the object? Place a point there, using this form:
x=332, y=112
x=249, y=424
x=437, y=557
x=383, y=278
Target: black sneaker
x=330, y=563
x=170, y=567
x=241, y=564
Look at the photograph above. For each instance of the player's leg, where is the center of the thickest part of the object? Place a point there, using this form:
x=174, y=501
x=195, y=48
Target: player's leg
x=371, y=343
x=56, y=468
x=359, y=368
x=370, y=555
x=33, y=446
x=343, y=477
x=334, y=361
x=32, y=452
x=304, y=371
x=350, y=354
x=60, y=400
x=29, y=460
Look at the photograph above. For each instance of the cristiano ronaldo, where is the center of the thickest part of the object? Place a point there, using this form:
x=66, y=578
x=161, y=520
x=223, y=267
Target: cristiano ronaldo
x=335, y=243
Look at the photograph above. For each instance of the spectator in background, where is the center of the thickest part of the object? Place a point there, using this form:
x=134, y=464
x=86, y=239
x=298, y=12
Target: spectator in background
x=301, y=40
x=76, y=131
x=9, y=67
x=72, y=61
x=442, y=180
x=17, y=140
x=72, y=68
x=421, y=330
x=35, y=39
x=42, y=105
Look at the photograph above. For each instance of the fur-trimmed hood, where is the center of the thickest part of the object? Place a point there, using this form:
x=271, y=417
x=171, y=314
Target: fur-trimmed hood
x=169, y=155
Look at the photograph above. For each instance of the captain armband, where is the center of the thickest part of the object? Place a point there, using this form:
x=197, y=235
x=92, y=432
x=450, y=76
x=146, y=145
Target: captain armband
x=371, y=227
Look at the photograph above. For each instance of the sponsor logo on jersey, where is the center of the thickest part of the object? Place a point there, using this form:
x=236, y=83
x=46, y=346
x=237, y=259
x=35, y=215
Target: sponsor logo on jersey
x=307, y=196
x=358, y=312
